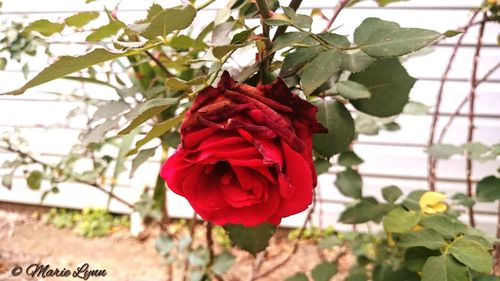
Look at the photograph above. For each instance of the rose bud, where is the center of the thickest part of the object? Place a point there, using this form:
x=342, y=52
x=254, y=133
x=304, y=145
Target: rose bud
x=246, y=154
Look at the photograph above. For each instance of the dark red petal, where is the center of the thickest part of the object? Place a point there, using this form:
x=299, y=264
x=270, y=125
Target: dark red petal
x=193, y=138
x=257, y=94
x=204, y=97
x=226, y=82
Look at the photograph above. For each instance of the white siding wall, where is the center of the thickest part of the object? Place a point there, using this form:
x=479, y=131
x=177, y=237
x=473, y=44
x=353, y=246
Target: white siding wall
x=386, y=160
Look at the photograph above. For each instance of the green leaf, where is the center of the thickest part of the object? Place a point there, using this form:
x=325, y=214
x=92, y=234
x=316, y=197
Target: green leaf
x=141, y=157
x=355, y=60
x=242, y=36
x=44, y=27
x=349, y=183
x=168, y=20
x=452, y=33
x=221, y=51
x=349, y=159
x=3, y=63
x=105, y=31
x=299, y=276
x=444, y=151
x=400, y=220
x=278, y=20
x=320, y=70
x=322, y=166
x=175, y=83
x=428, y=238
x=463, y=199
x=337, y=119
x=379, y=38
x=445, y=225
x=335, y=40
x=34, y=180
x=157, y=130
x=7, y=181
x=295, y=61
x=303, y=21
x=67, y=65
x=444, y=268
x=324, y=271
x=472, y=254
x=110, y=110
x=287, y=40
x=329, y=242
x=488, y=189
x=251, y=239
x=148, y=110
x=391, y=193
x=368, y=209
x=415, y=257
x=385, y=272
x=352, y=90
x=389, y=85
x=81, y=19
x=415, y=108
x=223, y=263
x=487, y=278
x=164, y=244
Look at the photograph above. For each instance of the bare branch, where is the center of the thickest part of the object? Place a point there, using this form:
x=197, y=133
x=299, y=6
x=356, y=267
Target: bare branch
x=340, y=5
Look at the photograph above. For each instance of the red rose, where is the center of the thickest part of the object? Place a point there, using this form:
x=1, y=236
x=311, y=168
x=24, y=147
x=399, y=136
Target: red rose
x=246, y=154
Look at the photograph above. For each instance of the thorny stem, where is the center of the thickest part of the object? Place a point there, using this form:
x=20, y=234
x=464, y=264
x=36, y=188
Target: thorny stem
x=470, y=129
x=295, y=246
x=70, y=176
x=431, y=161
x=158, y=62
x=340, y=5
x=265, y=13
x=294, y=4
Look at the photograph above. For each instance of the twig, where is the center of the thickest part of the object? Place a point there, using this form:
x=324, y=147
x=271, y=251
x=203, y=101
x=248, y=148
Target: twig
x=450, y=120
x=256, y=266
x=210, y=243
x=264, y=13
x=158, y=63
x=295, y=246
x=431, y=161
x=470, y=129
x=488, y=74
x=72, y=177
x=340, y=5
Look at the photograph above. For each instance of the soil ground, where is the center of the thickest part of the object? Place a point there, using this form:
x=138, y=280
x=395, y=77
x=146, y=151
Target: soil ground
x=24, y=241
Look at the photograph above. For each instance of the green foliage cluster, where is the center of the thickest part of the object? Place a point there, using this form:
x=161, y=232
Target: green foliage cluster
x=88, y=223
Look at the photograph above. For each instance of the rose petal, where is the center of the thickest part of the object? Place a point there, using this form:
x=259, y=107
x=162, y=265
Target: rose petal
x=191, y=139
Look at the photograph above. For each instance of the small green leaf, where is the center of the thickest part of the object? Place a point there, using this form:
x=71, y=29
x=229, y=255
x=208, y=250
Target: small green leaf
x=349, y=159
x=164, y=244
x=320, y=70
x=278, y=20
x=488, y=189
x=391, y=193
x=444, y=151
x=322, y=166
x=295, y=61
x=223, y=263
x=303, y=21
x=463, y=199
x=146, y=111
x=287, y=40
x=355, y=60
x=44, y=27
x=299, y=276
x=472, y=254
x=452, y=33
x=251, y=239
x=389, y=85
x=428, y=238
x=445, y=225
x=110, y=110
x=349, y=183
x=444, y=268
x=221, y=51
x=7, y=181
x=242, y=37
x=337, y=119
x=34, y=180
x=105, y=31
x=157, y=130
x=415, y=257
x=335, y=40
x=324, y=271
x=175, y=83
x=81, y=19
x=368, y=209
x=329, y=242
x=415, y=108
x=400, y=220
x=352, y=90
x=379, y=38
x=168, y=20
x=141, y=157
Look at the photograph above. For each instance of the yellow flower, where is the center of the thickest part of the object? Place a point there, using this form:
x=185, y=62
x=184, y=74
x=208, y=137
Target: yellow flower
x=432, y=202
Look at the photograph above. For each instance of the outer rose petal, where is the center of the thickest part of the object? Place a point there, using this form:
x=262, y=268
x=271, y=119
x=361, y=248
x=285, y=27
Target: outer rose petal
x=299, y=176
